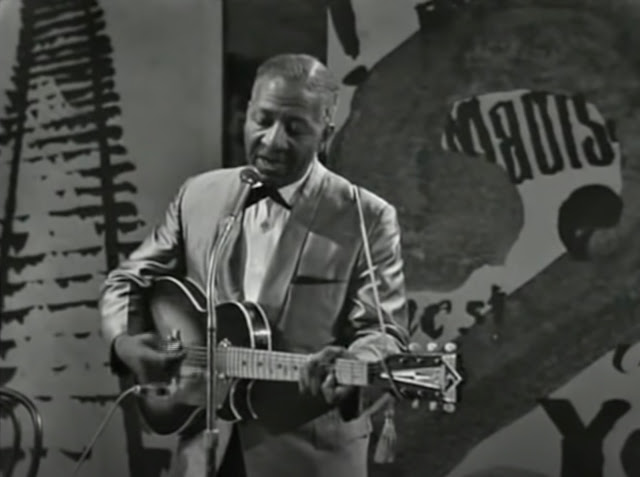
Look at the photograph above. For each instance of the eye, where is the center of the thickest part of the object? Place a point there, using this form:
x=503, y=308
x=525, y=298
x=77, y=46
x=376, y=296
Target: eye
x=295, y=127
x=261, y=118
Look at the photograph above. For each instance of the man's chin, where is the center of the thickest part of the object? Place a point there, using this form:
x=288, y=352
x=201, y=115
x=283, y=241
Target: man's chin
x=272, y=178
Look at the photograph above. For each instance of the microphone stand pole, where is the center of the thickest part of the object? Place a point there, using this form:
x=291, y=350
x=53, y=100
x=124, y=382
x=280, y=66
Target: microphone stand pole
x=249, y=177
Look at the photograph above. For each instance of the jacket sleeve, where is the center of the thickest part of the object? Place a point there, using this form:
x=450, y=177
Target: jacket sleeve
x=121, y=302
x=368, y=342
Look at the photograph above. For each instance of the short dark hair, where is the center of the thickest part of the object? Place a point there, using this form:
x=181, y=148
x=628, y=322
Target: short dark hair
x=303, y=69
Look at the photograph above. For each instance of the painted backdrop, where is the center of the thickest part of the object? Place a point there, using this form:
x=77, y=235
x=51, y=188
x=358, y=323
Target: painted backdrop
x=105, y=108
x=506, y=135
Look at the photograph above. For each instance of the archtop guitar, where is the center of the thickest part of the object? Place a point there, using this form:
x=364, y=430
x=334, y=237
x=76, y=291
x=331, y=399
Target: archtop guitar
x=246, y=362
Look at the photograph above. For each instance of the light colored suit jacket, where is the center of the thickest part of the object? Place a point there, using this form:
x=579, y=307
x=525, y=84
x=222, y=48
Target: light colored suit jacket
x=317, y=292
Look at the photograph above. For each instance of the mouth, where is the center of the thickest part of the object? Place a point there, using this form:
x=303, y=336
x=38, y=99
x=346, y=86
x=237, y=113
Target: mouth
x=269, y=163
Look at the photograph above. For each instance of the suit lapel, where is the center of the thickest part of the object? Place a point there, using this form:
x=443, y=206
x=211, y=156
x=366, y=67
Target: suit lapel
x=283, y=263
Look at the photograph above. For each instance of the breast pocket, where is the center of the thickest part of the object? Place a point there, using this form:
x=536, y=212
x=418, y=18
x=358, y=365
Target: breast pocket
x=313, y=309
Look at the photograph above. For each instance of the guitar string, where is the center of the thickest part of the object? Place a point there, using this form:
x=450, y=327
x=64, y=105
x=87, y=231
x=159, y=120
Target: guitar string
x=200, y=352
x=290, y=358
x=357, y=371
x=255, y=361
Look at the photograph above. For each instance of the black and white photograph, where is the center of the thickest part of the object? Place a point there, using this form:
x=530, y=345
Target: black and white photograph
x=319, y=238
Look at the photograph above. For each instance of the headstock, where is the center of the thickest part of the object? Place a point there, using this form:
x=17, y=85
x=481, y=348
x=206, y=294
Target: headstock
x=432, y=376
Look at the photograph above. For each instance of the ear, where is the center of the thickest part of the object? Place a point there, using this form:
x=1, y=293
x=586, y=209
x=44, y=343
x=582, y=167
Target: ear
x=328, y=131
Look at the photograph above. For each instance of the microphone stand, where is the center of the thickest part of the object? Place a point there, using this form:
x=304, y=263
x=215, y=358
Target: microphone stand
x=249, y=177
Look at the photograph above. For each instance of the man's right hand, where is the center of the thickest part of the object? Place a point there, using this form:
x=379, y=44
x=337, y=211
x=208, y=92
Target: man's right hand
x=142, y=355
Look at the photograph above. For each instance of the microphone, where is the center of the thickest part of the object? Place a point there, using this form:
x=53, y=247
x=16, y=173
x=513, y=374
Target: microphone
x=249, y=177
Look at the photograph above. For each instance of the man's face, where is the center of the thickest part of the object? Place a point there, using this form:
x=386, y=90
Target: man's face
x=284, y=129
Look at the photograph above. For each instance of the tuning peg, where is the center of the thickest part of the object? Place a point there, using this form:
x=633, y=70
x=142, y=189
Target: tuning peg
x=432, y=346
x=415, y=404
x=414, y=347
x=450, y=347
x=433, y=406
x=449, y=407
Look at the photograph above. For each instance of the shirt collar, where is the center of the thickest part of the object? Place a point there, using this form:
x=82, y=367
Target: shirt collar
x=290, y=192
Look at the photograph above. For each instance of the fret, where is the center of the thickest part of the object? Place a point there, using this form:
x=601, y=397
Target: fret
x=274, y=365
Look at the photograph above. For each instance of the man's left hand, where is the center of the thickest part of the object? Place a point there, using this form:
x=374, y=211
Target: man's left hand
x=317, y=375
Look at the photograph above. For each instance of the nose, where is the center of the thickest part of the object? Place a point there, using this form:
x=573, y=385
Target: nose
x=275, y=137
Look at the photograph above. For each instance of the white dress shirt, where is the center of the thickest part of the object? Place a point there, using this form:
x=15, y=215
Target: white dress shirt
x=263, y=223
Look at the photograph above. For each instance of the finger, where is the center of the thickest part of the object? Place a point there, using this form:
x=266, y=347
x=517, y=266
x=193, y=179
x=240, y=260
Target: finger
x=303, y=377
x=331, y=353
x=329, y=388
x=173, y=356
x=341, y=392
x=314, y=372
x=148, y=338
x=316, y=376
x=160, y=358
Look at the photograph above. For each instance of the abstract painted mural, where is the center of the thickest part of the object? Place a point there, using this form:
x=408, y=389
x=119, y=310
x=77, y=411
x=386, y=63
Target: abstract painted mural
x=505, y=134
x=89, y=157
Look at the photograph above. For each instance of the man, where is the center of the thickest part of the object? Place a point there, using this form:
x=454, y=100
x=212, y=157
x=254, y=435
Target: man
x=299, y=254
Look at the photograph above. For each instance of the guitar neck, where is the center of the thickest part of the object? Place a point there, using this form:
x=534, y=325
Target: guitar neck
x=276, y=365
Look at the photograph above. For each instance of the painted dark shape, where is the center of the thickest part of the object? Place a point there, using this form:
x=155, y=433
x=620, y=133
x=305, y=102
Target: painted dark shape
x=630, y=454
x=474, y=309
x=63, y=42
x=582, y=445
x=511, y=141
x=65, y=306
x=75, y=455
x=536, y=108
x=586, y=210
x=497, y=301
x=344, y=22
x=434, y=15
x=505, y=133
x=412, y=309
x=6, y=374
x=356, y=76
x=624, y=352
x=96, y=398
x=429, y=315
x=5, y=347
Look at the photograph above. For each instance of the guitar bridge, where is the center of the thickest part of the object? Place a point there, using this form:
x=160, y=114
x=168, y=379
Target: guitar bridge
x=174, y=341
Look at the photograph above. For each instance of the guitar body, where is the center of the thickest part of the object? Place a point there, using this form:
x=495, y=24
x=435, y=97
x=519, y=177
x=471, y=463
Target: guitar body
x=261, y=383
x=178, y=308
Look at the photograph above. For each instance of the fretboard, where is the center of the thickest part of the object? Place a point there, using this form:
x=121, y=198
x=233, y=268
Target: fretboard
x=274, y=365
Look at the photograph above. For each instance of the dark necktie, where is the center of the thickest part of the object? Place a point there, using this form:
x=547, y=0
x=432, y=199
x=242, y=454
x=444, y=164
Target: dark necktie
x=258, y=193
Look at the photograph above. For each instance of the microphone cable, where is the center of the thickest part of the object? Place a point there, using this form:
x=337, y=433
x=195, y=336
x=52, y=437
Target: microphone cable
x=371, y=271
x=138, y=389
